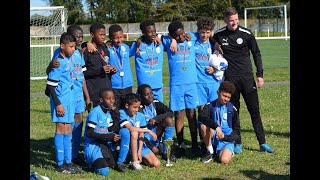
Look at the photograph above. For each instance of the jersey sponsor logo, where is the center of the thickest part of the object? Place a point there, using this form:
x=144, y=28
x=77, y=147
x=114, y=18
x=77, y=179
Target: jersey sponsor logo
x=225, y=43
x=123, y=48
x=225, y=40
x=203, y=57
x=239, y=40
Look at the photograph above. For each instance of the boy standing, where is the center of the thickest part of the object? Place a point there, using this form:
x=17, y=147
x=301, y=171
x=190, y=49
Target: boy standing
x=60, y=86
x=183, y=89
x=98, y=70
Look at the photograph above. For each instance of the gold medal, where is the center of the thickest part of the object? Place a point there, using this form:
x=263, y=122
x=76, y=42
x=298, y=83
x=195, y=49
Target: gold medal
x=151, y=72
x=184, y=68
x=121, y=73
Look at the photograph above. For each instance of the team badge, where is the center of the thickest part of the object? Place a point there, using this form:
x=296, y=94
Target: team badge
x=225, y=115
x=239, y=40
x=209, y=50
x=123, y=48
x=189, y=43
x=158, y=49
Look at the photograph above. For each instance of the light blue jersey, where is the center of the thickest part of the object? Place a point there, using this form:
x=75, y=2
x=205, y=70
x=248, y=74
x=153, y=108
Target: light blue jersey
x=138, y=120
x=149, y=63
x=78, y=78
x=62, y=79
x=207, y=84
x=182, y=66
x=100, y=122
x=119, y=57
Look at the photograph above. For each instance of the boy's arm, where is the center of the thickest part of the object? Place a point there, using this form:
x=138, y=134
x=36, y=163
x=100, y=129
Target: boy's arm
x=99, y=137
x=127, y=124
x=115, y=116
x=89, y=73
x=86, y=95
x=206, y=117
x=162, y=112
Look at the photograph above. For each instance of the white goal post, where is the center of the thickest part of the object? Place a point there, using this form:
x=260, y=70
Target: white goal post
x=46, y=26
x=268, y=22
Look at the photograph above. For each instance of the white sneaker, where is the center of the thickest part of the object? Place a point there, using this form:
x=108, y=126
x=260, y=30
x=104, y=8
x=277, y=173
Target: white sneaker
x=136, y=166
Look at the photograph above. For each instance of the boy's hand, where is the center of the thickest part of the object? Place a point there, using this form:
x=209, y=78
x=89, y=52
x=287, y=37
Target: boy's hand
x=88, y=105
x=155, y=137
x=217, y=47
x=152, y=121
x=188, y=37
x=139, y=41
x=109, y=43
x=210, y=69
x=157, y=40
x=173, y=45
x=107, y=69
x=113, y=69
x=60, y=110
x=91, y=48
x=116, y=137
x=55, y=63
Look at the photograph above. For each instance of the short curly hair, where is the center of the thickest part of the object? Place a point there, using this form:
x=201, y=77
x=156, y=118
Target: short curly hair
x=227, y=86
x=205, y=23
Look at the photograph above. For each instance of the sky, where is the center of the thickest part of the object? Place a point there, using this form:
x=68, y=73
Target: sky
x=41, y=3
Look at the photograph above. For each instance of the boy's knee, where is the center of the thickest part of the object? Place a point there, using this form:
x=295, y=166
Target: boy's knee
x=103, y=171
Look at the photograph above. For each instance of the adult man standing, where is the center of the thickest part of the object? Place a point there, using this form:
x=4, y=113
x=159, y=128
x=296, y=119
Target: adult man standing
x=236, y=42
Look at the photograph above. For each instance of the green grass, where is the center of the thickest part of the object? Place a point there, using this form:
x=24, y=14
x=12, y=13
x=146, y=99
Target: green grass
x=251, y=164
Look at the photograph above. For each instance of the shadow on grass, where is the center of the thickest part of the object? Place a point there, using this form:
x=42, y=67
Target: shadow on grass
x=284, y=134
x=42, y=154
x=259, y=174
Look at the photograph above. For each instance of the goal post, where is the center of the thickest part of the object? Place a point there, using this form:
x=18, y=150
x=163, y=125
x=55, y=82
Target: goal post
x=46, y=26
x=267, y=21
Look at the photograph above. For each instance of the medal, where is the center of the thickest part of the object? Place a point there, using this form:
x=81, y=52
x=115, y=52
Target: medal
x=151, y=72
x=184, y=68
x=121, y=73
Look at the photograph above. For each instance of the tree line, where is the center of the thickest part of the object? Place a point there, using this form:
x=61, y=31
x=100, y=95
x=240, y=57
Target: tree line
x=133, y=11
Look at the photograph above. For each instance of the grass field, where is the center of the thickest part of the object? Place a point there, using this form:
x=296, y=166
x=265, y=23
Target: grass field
x=251, y=164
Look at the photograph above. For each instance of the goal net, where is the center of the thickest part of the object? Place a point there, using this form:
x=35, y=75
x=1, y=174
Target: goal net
x=267, y=22
x=46, y=26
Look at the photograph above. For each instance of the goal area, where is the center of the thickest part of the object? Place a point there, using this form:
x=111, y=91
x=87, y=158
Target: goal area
x=267, y=22
x=46, y=26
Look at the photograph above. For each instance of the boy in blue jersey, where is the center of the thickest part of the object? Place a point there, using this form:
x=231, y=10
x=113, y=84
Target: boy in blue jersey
x=183, y=89
x=81, y=94
x=60, y=89
x=99, y=71
x=159, y=120
x=122, y=81
x=101, y=132
x=136, y=122
x=149, y=59
x=222, y=116
x=207, y=84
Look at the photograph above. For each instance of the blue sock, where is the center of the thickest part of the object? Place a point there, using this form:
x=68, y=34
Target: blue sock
x=103, y=171
x=168, y=134
x=58, y=147
x=67, y=147
x=76, y=138
x=124, y=144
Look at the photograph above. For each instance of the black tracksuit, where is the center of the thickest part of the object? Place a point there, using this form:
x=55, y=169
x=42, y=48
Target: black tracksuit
x=95, y=76
x=236, y=46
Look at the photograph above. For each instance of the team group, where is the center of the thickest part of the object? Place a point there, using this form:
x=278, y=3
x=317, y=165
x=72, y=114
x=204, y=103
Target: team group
x=207, y=73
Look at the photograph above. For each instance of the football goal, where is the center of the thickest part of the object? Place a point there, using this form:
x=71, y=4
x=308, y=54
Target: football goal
x=267, y=22
x=46, y=26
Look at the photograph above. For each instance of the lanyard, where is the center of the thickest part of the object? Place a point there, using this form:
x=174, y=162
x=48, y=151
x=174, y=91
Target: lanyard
x=204, y=50
x=184, y=67
x=104, y=59
x=120, y=61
